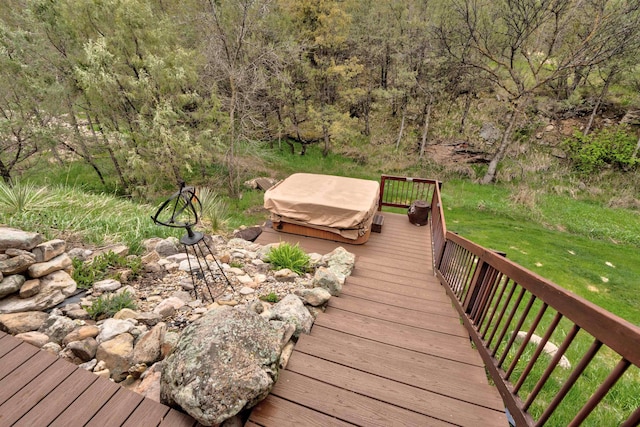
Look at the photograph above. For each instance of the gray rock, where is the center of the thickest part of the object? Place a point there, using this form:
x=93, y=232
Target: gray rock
x=18, y=252
x=43, y=268
x=169, y=343
x=107, y=285
x=314, y=297
x=148, y=348
x=88, y=366
x=149, y=319
x=17, y=323
x=30, y=288
x=224, y=362
x=340, y=261
x=57, y=327
x=78, y=313
x=79, y=253
x=116, y=355
x=37, y=339
x=490, y=132
x=329, y=280
x=54, y=288
x=49, y=250
x=11, y=284
x=150, y=385
x=16, y=264
x=166, y=247
x=84, y=350
x=18, y=239
x=113, y=327
x=291, y=310
x=168, y=306
x=52, y=347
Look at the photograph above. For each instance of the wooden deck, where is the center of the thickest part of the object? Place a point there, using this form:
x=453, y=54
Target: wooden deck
x=39, y=389
x=389, y=351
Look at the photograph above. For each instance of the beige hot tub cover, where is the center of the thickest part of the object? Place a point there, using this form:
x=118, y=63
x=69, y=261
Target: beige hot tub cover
x=323, y=200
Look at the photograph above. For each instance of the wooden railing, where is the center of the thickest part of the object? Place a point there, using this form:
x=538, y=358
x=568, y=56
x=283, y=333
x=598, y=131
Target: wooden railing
x=400, y=192
x=513, y=316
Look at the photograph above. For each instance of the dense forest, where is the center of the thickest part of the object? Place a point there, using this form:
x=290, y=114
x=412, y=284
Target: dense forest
x=150, y=92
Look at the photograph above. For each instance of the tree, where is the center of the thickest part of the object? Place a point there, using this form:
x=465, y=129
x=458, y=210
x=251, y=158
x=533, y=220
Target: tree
x=522, y=46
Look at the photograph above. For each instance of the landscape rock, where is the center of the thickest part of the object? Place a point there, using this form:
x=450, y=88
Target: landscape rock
x=224, y=362
x=81, y=333
x=166, y=247
x=314, y=297
x=54, y=288
x=18, y=239
x=116, y=355
x=549, y=348
x=329, y=280
x=11, y=284
x=49, y=250
x=37, y=339
x=84, y=350
x=107, y=285
x=148, y=348
x=112, y=328
x=17, y=323
x=16, y=264
x=150, y=385
x=57, y=327
x=29, y=288
x=126, y=313
x=52, y=347
x=43, y=268
x=340, y=261
x=291, y=310
x=168, y=306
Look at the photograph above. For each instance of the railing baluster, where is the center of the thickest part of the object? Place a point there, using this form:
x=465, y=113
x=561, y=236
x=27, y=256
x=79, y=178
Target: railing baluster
x=545, y=339
x=494, y=283
x=507, y=324
x=589, y=355
x=554, y=362
x=524, y=315
x=495, y=302
x=526, y=340
x=602, y=391
x=633, y=420
x=505, y=306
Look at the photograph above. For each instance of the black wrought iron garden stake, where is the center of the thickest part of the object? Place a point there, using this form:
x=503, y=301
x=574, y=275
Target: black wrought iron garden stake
x=181, y=211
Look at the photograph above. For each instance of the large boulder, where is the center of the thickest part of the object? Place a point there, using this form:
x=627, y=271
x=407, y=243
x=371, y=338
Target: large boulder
x=225, y=361
x=329, y=280
x=116, y=355
x=340, y=261
x=148, y=347
x=11, y=238
x=54, y=288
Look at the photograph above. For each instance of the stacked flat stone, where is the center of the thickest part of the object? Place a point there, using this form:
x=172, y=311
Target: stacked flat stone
x=34, y=275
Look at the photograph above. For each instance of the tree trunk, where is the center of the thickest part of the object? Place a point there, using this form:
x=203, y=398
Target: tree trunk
x=425, y=129
x=465, y=113
x=85, y=153
x=404, y=115
x=114, y=159
x=327, y=140
x=4, y=173
x=232, y=142
x=603, y=93
x=490, y=176
x=635, y=150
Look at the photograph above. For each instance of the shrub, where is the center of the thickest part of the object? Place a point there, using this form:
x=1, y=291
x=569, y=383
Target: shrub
x=287, y=256
x=610, y=146
x=23, y=197
x=87, y=273
x=271, y=297
x=108, y=305
x=214, y=210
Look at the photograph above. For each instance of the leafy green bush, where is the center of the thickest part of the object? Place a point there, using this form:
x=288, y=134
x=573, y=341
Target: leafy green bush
x=87, y=273
x=108, y=305
x=287, y=256
x=214, y=210
x=609, y=146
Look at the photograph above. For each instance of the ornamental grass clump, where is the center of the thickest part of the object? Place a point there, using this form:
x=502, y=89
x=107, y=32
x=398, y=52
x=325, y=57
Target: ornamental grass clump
x=108, y=305
x=288, y=256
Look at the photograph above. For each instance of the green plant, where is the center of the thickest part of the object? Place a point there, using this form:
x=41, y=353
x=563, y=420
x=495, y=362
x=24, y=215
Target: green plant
x=87, y=273
x=287, y=256
x=214, y=209
x=23, y=197
x=271, y=297
x=108, y=305
x=236, y=264
x=610, y=146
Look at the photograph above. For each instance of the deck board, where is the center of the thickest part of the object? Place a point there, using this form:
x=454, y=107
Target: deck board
x=389, y=351
x=38, y=389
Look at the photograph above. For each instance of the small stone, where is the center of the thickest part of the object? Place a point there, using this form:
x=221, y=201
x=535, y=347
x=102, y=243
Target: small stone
x=112, y=328
x=57, y=327
x=17, y=323
x=84, y=350
x=49, y=250
x=285, y=275
x=230, y=302
x=150, y=257
x=41, y=269
x=11, y=284
x=52, y=347
x=314, y=297
x=78, y=314
x=37, y=339
x=105, y=373
x=30, y=288
x=82, y=333
x=245, y=290
x=108, y=285
x=126, y=313
x=89, y=366
x=16, y=264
